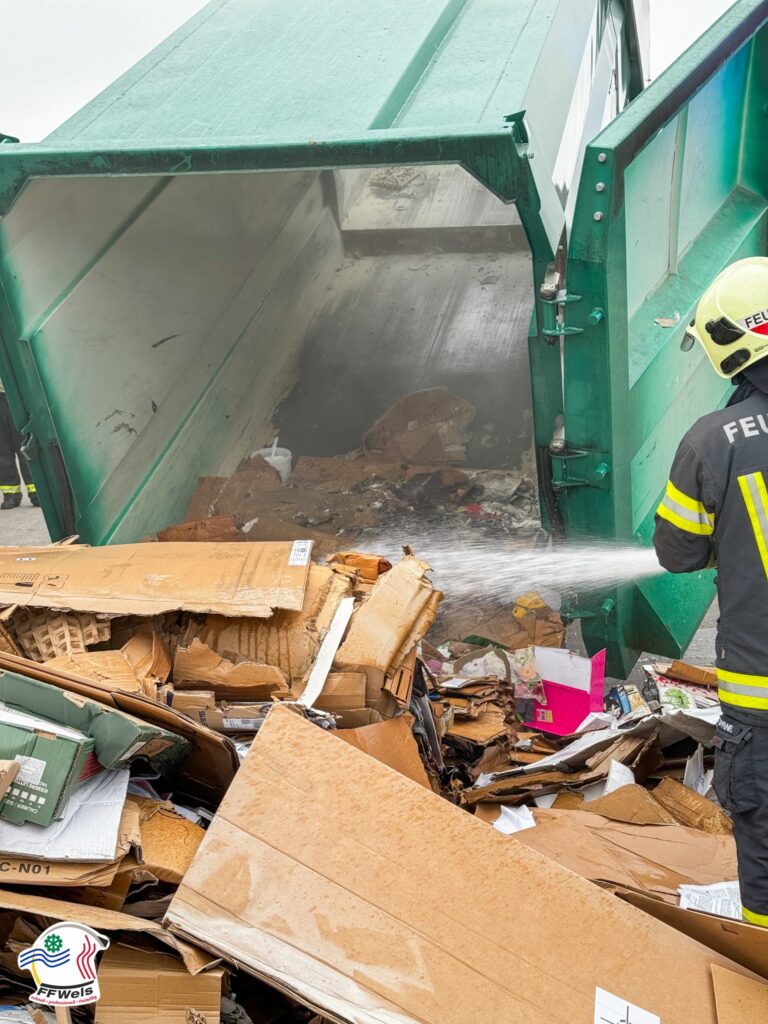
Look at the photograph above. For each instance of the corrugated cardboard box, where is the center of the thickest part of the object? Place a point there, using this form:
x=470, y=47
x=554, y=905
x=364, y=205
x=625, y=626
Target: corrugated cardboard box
x=118, y=738
x=142, y=987
x=211, y=762
x=148, y=579
x=372, y=899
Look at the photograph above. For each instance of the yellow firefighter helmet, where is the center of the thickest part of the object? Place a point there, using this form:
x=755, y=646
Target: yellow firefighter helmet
x=731, y=321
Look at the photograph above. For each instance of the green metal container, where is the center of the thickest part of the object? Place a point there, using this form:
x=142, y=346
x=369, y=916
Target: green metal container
x=289, y=214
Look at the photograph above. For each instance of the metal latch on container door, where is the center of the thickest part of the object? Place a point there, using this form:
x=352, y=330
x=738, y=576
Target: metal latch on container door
x=555, y=325
x=580, y=467
x=28, y=442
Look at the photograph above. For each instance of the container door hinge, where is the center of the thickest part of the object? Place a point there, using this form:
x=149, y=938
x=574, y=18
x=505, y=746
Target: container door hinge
x=580, y=467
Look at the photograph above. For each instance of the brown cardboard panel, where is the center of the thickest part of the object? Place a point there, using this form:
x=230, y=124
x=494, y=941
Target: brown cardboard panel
x=342, y=691
x=213, y=761
x=288, y=640
x=685, y=673
x=307, y=878
x=647, y=857
x=142, y=987
x=739, y=999
x=745, y=944
x=399, y=610
x=168, y=841
x=633, y=804
x=147, y=579
x=692, y=809
x=392, y=743
x=148, y=655
x=198, y=666
x=110, y=669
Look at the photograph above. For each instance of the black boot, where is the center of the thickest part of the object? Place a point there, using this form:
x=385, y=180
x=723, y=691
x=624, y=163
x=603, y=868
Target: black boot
x=34, y=500
x=10, y=501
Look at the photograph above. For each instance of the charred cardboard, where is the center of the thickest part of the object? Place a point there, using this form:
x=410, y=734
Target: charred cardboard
x=212, y=760
x=426, y=427
x=142, y=987
x=391, y=742
x=333, y=912
x=649, y=858
x=745, y=944
x=148, y=579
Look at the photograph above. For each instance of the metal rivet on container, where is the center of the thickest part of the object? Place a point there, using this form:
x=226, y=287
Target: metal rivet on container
x=598, y=216
x=600, y=186
x=602, y=157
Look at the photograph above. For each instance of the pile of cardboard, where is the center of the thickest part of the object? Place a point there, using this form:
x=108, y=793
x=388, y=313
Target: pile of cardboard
x=280, y=794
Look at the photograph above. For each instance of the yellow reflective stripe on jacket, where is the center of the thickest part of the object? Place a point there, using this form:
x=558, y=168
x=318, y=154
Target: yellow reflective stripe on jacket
x=685, y=513
x=692, y=504
x=756, y=499
x=761, y=920
x=743, y=690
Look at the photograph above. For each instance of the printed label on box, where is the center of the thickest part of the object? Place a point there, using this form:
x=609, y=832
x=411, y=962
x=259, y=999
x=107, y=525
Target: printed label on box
x=31, y=771
x=611, y=1009
x=300, y=552
x=242, y=724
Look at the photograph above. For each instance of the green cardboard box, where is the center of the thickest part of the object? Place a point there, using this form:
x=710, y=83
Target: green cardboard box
x=62, y=739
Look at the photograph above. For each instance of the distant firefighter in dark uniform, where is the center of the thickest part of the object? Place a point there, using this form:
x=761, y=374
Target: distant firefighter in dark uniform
x=10, y=448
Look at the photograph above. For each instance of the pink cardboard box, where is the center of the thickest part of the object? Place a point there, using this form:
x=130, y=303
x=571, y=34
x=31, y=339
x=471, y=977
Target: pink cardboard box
x=573, y=687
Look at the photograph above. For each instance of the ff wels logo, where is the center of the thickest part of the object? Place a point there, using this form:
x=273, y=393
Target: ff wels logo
x=63, y=964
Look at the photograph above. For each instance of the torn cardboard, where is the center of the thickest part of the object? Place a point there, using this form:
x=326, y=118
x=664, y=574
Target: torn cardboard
x=334, y=914
x=649, y=858
x=199, y=667
x=109, y=668
x=287, y=641
x=148, y=579
x=195, y=959
x=397, y=612
x=692, y=809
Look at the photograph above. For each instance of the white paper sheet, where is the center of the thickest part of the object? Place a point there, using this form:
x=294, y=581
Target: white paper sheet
x=611, y=1009
x=618, y=775
x=328, y=649
x=514, y=819
x=722, y=899
x=87, y=832
x=696, y=777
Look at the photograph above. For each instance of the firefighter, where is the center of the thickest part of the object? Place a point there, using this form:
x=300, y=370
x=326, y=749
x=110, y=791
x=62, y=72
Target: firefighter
x=715, y=513
x=10, y=448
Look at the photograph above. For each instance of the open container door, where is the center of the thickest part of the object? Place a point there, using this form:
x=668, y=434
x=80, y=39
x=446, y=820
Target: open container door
x=166, y=254
x=672, y=191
